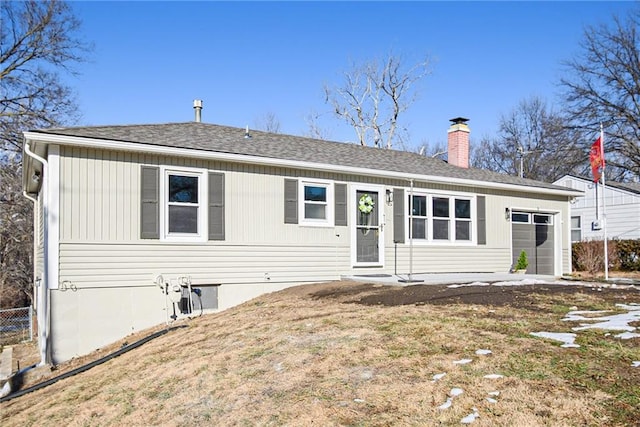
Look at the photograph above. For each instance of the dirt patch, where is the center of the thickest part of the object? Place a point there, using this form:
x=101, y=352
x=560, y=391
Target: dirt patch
x=520, y=296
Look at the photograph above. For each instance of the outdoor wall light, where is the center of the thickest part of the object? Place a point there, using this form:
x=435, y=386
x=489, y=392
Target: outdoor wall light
x=36, y=176
x=507, y=214
x=389, y=196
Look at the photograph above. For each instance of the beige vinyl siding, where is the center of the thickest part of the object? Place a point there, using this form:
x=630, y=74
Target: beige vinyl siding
x=110, y=265
x=100, y=212
x=99, y=199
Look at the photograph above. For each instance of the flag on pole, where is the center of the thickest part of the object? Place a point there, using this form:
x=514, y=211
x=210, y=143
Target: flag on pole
x=596, y=158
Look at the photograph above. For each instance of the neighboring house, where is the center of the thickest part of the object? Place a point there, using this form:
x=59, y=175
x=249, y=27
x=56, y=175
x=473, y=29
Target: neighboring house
x=130, y=219
x=619, y=203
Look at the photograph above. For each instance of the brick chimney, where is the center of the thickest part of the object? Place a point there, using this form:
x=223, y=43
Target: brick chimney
x=458, y=142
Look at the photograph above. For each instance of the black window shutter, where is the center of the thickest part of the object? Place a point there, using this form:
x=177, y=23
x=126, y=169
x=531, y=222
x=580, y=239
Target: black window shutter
x=340, y=191
x=482, y=220
x=149, y=202
x=290, y=201
x=216, y=206
x=398, y=215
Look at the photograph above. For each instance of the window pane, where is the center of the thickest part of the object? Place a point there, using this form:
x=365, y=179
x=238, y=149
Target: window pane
x=440, y=229
x=313, y=211
x=183, y=219
x=519, y=217
x=419, y=229
x=419, y=205
x=183, y=189
x=463, y=208
x=441, y=207
x=542, y=219
x=462, y=230
x=315, y=194
x=575, y=222
x=576, y=235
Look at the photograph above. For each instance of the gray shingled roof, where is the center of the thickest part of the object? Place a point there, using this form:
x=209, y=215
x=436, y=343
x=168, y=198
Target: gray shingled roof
x=224, y=139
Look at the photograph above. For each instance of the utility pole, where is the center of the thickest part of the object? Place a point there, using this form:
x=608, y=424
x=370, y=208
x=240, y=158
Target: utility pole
x=523, y=153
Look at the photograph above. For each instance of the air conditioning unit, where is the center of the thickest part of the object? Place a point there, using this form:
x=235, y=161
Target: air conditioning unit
x=596, y=225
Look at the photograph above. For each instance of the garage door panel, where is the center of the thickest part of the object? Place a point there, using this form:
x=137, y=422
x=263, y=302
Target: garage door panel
x=537, y=241
x=523, y=239
x=544, y=249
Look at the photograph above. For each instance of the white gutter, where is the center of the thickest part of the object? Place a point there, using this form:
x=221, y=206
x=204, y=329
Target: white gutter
x=26, y=195
x=74, y=141
x=43, y=292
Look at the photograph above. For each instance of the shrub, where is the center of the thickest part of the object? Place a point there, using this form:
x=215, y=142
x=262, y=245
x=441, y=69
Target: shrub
x=589, y=255
x=629, y=254
x=522, y=262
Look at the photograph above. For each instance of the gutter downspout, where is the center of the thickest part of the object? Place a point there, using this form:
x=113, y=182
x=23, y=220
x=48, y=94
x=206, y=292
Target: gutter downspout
x=43, y=294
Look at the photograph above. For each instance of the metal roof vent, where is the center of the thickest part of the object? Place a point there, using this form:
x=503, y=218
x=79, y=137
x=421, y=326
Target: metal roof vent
x=197, y=106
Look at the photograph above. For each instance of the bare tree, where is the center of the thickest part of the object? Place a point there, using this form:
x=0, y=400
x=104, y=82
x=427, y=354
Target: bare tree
x=268, y=122
x=603, y=86
x=16, y=238
x=37, y=41
x=315, y=130
x=373, y=97
x=532, y=142
x=438, y=150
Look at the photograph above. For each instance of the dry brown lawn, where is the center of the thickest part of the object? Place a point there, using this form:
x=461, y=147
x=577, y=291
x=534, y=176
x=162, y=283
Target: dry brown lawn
x=359, y=354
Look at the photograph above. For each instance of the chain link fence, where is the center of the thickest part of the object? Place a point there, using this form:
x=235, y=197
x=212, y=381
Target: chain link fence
x=16, y=325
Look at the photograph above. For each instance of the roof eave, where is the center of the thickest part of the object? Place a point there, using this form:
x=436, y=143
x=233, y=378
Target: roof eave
x=243, y=158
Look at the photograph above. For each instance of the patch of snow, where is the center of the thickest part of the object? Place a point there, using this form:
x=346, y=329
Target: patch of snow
x=483, y=352
x=465, y=285
x=471, y=417
x=616, y=322
x=521, y=282
x=491, y=400
x=437, y=377
x=445, y=405
x=359, y=400
x=627, y=335
x=456, y=392
x=493, y=376
x=462, y=361
x=567, y=338
x=545, y=282
x=494, y=393
x=635, y=364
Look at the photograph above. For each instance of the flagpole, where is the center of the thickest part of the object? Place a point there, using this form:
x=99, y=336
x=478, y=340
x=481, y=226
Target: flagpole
x=604, y=211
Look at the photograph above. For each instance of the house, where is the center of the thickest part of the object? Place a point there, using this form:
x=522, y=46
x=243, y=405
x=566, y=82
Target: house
x=619, y=203
x=136, y=225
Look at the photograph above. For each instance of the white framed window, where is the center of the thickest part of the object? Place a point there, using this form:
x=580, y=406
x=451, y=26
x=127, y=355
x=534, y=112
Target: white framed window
x=462, y=216
x=316, y=203
x=576, y=229
x=183, y=196
x=441, y=218
x=418, y=227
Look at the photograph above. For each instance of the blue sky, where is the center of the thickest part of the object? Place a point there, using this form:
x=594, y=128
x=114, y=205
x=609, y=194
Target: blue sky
x=247, y=59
